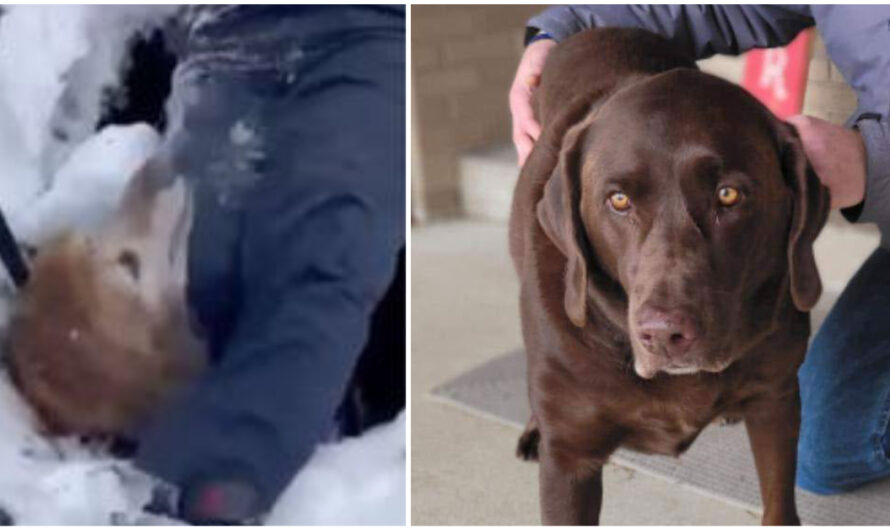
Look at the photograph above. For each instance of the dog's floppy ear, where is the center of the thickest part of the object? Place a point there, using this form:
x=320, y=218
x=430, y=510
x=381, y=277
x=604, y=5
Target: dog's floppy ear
x=559, y=216
x=810, y=204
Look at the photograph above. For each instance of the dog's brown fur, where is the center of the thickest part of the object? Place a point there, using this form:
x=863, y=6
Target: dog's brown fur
x=621, y=108
x=99, y=337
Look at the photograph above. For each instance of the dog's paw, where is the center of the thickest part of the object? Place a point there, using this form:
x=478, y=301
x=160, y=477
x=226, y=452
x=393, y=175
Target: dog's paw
x=527, y=448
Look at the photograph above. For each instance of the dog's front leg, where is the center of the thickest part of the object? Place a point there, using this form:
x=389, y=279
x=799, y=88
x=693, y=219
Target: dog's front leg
x=773, y=427
x=570, y=495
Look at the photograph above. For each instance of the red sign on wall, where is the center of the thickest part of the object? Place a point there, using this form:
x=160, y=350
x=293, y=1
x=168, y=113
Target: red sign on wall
x=778, y=76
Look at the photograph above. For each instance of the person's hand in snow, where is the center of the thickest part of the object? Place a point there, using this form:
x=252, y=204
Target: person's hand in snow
x=526, y=128
x=220, y=502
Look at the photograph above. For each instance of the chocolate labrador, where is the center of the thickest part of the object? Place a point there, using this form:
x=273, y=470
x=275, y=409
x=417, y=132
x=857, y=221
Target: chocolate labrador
x=662, y=230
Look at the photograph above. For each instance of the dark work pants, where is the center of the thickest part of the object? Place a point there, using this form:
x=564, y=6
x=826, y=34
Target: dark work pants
x=289, y=121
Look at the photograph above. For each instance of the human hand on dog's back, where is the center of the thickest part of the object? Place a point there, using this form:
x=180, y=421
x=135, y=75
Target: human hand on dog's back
x=838, y=157
x=526, y=128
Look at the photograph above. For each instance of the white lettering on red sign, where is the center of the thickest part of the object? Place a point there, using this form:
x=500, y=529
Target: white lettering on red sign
x=772, y=73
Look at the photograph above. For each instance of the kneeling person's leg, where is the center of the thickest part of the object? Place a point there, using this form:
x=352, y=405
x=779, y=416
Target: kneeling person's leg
x=845, y=387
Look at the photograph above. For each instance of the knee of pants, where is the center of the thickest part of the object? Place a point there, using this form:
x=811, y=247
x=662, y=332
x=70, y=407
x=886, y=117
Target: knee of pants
x=843, y=437
x=825, y=468
x=845, y=388
x=840, y=446
x=827, y=478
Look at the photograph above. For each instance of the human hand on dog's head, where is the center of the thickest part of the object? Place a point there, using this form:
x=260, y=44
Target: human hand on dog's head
x=838, y=157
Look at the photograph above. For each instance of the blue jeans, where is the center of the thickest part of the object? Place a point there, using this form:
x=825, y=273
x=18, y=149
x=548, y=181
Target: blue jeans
x=845, y=388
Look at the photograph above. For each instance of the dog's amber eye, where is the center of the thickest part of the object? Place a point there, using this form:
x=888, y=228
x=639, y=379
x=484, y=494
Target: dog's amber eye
x=728, y=196
x=619, y=201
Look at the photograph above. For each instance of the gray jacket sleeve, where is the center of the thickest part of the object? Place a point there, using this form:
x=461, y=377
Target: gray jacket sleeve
x=856, y=37
x=701, y=30
x=858, y=40
x=876, y=207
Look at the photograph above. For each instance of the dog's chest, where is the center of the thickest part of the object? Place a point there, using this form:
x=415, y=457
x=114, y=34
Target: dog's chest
x=669, y=428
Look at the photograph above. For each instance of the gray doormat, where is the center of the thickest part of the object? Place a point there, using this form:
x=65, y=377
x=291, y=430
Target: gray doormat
x=718, y=464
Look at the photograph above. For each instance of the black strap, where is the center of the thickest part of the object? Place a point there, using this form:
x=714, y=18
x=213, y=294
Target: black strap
x=11, y=255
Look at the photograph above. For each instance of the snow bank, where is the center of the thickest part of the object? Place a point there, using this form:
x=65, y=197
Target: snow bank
x=54, y=63
x=88, y=187
x=358, y=481
x=55, y=173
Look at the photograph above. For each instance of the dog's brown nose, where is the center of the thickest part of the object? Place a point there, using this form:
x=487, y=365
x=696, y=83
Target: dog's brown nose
x=670, y=333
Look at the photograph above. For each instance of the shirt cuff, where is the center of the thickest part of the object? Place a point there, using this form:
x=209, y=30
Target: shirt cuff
x=559, y=22
x=534, y=35
x=876, y=206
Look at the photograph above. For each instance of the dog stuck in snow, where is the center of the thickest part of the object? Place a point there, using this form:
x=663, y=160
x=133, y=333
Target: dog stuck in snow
x=100, y=338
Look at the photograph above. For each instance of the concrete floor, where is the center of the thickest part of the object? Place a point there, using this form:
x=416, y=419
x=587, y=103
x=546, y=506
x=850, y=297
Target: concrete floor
x=464, y=312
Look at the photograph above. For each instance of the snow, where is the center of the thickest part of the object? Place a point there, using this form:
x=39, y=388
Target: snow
x=358, y=481
x=88, y=187
x=54, y=61
x=56, y=173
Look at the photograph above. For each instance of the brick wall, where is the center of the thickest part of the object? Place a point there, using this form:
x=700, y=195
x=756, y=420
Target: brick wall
x=463, y=61
x=828, y=96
